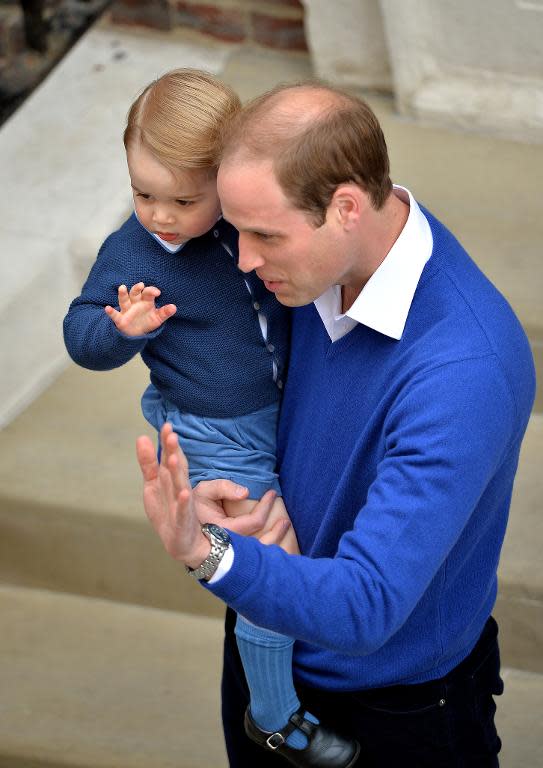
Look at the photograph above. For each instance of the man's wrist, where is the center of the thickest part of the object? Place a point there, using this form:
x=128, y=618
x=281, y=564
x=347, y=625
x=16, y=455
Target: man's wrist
x=219, y=542
x=200, y=554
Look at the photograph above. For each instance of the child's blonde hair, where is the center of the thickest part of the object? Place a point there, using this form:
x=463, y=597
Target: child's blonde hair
x=179, y=118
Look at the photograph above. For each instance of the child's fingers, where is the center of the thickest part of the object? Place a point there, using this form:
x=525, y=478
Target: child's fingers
x=150, y=293
x=112, y=313
x=166, y=311
x=124, y=301
x=136, y=291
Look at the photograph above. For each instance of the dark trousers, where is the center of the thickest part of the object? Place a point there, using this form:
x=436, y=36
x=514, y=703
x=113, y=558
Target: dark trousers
x=445, y=723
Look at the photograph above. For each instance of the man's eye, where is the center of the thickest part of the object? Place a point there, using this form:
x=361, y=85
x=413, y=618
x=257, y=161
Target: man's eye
x=184, y=202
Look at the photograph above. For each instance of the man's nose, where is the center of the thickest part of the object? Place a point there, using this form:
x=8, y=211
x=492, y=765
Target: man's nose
x=249, y=258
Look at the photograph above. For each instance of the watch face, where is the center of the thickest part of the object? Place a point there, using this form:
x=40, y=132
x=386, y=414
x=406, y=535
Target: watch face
x=218, y=532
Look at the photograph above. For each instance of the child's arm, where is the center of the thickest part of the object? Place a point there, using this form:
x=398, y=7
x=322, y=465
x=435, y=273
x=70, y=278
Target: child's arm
x=91, y=336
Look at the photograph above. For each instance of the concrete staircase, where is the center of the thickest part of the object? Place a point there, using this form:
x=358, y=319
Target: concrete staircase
x=109, y=655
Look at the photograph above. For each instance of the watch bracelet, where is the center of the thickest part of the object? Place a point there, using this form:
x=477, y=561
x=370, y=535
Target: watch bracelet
x=209, y=566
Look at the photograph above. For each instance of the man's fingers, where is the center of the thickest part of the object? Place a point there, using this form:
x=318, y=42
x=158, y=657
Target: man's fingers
x=254, y=521
x=172, y=447
x=217, y=490
x=145, y=451
x=277, y=532
x=166, y=430
x=178, y=477
x=174, y=459
x=181, y=508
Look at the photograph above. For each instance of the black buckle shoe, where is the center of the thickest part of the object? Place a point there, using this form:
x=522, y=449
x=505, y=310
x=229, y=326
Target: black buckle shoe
x=325, y=749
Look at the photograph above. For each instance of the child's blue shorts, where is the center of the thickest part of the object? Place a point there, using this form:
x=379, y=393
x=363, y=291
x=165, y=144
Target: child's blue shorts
x=241, y=449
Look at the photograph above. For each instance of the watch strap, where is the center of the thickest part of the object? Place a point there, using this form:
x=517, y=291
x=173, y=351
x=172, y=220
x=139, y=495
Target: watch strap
x=209, y=566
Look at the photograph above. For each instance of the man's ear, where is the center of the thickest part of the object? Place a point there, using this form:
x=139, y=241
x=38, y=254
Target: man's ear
x=348, y=205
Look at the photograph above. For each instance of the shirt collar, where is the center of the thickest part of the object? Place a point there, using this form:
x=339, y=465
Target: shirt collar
x=170, y=247
x=384, y=302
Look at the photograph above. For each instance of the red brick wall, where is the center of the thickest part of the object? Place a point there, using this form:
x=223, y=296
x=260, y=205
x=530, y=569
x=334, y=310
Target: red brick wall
x=271, y=23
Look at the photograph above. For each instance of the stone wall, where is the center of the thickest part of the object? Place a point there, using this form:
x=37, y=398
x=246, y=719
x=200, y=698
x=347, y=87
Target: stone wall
x=475, y=65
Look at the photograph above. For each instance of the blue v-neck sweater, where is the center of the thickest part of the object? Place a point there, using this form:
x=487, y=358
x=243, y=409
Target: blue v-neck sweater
x=397, y=461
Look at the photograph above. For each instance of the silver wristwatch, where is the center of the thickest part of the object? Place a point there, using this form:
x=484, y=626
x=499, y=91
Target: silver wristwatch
x=220, y=541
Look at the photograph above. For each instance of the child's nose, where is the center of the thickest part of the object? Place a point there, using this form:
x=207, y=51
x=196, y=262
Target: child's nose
x=162, y=214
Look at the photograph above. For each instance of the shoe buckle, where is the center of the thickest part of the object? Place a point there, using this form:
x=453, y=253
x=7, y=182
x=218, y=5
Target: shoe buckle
x=275, y=740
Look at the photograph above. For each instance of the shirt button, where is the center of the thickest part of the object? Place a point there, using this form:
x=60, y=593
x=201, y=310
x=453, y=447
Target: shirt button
x=279, y=384
x=270, y=347
x=215, y=233
x=256, y=306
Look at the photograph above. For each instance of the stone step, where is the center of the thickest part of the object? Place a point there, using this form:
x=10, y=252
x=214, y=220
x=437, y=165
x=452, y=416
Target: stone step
x=72, y=520
x=70, y=497
x=94, y=684
x=90, y=683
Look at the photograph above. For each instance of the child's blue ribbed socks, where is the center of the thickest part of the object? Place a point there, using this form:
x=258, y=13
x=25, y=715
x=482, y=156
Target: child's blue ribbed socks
x=267, y=661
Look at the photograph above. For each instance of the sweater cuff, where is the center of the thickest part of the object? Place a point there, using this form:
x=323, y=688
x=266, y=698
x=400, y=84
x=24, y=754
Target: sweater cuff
x=143, y=337
x=242, y=572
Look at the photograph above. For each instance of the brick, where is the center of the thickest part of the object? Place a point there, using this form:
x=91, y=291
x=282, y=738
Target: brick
x=155, y=14
x=291, y=3
x=275, y=32
x=224, y=23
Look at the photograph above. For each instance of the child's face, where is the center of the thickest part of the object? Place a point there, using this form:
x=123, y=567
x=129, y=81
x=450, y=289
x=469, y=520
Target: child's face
x=174, y=207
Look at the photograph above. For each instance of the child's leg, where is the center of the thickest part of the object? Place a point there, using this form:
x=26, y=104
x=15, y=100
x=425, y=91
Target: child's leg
x=267, y=655
x=267, y=661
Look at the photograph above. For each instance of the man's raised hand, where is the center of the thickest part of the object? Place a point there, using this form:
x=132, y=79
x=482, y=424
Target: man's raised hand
x=137, y=314
x=176, y=512
x=169, y=501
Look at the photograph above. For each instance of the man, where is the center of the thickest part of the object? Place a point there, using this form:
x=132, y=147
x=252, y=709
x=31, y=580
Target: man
x=409, y=390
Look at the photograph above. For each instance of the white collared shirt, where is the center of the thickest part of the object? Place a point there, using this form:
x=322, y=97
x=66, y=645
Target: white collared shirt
x=384, y=302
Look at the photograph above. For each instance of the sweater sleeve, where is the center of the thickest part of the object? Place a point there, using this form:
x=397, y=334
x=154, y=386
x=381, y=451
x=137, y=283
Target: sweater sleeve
x=445, y=437
x=90, y=336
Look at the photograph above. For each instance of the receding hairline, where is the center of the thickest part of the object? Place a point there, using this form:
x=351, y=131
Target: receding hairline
x=288, y=110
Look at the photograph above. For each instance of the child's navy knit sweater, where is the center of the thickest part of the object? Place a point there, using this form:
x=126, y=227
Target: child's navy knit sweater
x=397, y=461
x=210, y=358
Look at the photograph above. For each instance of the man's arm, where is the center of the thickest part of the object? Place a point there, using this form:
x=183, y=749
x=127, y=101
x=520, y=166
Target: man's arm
x=437, y=463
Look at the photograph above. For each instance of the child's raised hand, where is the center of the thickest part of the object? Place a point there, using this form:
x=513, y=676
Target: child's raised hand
x=138, y=314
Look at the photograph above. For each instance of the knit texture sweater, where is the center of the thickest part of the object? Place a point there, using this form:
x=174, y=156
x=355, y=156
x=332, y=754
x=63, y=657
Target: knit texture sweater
x=210, y=358
x=397, y=461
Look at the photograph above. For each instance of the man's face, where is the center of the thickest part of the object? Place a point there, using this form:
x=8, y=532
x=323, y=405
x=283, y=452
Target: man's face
x=176, y=207
x=296, y=260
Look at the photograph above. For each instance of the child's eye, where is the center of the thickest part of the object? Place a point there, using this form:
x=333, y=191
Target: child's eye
x=184, y=202
x=143, y=195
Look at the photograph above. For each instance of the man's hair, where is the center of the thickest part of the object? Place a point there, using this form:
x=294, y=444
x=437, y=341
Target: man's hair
x=179, y=118
x=314, y=145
